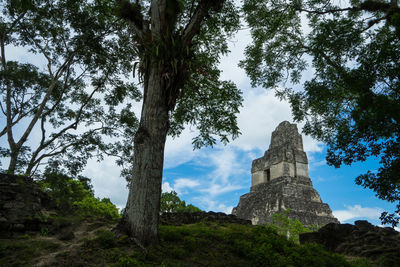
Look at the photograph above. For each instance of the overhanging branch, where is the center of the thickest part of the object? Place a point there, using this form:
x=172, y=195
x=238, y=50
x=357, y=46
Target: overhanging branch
x=201, y=12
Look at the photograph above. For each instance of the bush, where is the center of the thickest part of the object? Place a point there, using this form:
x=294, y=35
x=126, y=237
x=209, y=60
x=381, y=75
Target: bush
x=170, y=202
x=65, y=190
x=289, y=227
x=76, y=196
x=94, y=207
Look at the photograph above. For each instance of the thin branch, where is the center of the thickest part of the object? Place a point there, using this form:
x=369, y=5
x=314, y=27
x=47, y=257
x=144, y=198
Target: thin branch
x=15, y=23
x=322, y=12
x=8, y=96
x=373, y=22
x=39, y=112
x=60, y=149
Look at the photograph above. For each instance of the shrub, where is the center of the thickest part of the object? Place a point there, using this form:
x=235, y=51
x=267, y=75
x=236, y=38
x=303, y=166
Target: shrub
x=170, y=202
x=103, y=239
x=91, y=206
x=289, y=227
x=76, y=196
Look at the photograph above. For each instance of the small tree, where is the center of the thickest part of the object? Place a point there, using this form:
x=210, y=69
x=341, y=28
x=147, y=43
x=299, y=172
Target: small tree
x=290, y=228
x=170, y=202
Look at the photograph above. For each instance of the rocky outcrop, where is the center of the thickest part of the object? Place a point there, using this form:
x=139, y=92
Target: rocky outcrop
x=362, y=239
x=21, y=203
x=280, y=182
x=179, y=218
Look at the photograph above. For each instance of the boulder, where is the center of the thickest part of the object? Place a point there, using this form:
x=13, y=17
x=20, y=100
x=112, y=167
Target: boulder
x=361, y=239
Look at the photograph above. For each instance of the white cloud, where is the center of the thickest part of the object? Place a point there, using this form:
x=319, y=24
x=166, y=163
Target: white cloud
x=212, y=205
x=357, y=211
x=229, y=63
x=179, y=150
x=228, y=170
x=261, y=113
x=166, y=188
x=182, y=183
x=226, y=164
x=218, y=189
x=106, y=180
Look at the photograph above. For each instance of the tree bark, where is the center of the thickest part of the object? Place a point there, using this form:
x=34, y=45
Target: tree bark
x=142, y=209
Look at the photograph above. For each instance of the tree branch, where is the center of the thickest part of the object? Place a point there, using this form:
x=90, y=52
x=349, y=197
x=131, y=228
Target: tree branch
x=157, y=10
x=56, y=151
x=10, y=138
x=42, y=105
x=322, y=12
x=193, y=27
x=132, y=13
x=15, y=23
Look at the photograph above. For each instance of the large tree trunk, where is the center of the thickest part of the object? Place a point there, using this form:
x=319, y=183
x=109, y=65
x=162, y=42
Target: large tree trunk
x=142, y=210
x=161, y=90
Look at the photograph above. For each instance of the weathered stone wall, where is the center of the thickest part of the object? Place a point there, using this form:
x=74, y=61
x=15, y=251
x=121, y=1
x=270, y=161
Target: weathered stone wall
x=178, y=218
x=21, y=202
x=294, y=193
x=362, y=240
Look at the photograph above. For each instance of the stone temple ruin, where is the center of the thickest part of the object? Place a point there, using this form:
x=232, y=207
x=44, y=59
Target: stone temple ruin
x=280, y=181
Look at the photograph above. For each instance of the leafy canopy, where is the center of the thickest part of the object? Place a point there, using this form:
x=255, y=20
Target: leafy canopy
x=351, y=100
x=190, y=62
x=70, y=89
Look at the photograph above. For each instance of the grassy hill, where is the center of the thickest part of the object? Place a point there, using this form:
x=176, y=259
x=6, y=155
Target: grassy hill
x=92, y=243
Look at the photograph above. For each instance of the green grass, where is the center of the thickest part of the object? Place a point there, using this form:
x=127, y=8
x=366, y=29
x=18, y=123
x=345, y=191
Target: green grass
x=204, y=245
x=201, y=244
x=22, y=251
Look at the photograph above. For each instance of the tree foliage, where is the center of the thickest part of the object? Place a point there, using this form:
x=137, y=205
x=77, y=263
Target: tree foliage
x=170, y=202
x=76, y=196
x=62, y=97
x=351, y=101
x=190, y=56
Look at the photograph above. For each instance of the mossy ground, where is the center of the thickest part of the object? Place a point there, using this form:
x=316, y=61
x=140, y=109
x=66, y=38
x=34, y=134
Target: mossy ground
x=201, y=244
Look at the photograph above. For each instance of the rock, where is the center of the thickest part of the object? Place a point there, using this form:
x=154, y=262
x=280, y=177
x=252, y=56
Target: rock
x=66, y=235
x=179, y=218
x=18, y=227
x=21, y=204
x=362, y=239
x=330, y=236
x=280, y=181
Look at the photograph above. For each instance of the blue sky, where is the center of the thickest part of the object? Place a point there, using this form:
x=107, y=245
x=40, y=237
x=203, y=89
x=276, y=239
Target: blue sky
x=215, y=178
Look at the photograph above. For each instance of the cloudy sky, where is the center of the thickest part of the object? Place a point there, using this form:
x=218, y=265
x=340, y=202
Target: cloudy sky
x=213, y=179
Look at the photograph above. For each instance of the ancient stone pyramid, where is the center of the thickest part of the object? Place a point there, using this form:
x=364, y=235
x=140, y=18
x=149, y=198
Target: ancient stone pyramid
x=280, y=181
